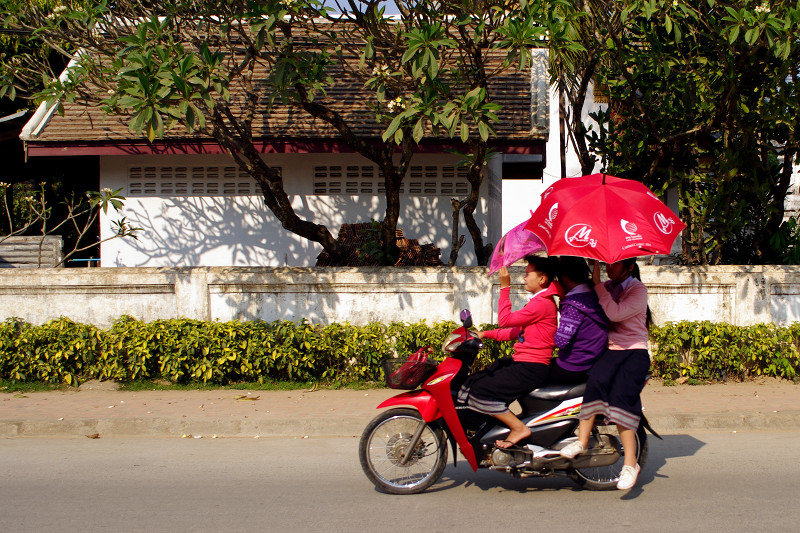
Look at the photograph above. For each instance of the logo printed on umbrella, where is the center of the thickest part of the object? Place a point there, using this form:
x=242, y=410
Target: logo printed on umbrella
x=628, y=227
x=551, y=215
x=663, y=223
x=631, y=229
x=579, y=236
x=546, y=193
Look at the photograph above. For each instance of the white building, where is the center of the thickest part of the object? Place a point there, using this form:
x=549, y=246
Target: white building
x=196, y=208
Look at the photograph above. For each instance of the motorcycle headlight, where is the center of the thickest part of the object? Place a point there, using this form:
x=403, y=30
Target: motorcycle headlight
x=452, y=342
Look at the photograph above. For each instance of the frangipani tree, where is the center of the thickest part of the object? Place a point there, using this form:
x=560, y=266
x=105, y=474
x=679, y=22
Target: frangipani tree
x=221, y=67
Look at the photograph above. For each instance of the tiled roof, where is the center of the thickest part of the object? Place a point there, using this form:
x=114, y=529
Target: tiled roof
x=514, y=90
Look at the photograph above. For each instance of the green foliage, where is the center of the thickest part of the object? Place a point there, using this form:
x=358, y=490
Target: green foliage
x=786, y=242
x=703, y=99
x=59, y=351
x=184, y=351
x=372, y=247
x=492, y=350
x=221, y=353
x=707, y=350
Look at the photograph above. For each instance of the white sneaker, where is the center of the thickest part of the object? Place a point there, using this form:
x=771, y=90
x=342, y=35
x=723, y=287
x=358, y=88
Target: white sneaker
x=627, y=478
x=572, y=449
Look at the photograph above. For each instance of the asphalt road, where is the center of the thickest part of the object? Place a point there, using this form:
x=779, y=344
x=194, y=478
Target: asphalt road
x=712, y=481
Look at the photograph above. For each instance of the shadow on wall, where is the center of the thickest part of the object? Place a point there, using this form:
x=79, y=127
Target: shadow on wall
x=325, y=295
x=211, y=231
x=241, y=231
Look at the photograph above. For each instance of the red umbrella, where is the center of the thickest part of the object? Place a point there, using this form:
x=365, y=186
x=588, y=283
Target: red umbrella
x=604, y=217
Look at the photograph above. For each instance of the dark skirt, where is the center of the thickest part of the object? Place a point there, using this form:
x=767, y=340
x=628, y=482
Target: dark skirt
x=492, y=390
x=614, y=387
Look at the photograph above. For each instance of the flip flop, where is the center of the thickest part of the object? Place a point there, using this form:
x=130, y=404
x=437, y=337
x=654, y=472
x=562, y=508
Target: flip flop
x=510, y=444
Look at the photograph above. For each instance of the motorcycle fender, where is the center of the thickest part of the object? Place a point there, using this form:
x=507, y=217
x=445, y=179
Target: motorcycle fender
x=420, y=400
x=646, y=425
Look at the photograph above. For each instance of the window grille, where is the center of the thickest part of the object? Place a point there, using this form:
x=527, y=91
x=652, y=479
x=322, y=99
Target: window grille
x=429, y=180
x=190, y=181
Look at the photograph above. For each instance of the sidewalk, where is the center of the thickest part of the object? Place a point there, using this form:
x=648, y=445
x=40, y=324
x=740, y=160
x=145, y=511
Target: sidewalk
x=97, y=410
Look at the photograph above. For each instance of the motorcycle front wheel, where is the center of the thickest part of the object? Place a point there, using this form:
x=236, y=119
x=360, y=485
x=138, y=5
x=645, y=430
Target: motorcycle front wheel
x=384, y=444
x=606, y=477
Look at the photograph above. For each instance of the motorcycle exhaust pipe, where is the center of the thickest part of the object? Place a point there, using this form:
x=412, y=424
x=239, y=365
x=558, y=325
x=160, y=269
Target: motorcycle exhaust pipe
x=590, y=460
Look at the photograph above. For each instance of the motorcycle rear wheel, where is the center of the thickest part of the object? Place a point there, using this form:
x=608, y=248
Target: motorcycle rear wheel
x=606, y=477
x=384, y=443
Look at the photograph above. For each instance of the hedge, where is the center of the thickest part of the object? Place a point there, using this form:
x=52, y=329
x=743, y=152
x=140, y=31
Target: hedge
x=710, y=350
x=220, y=353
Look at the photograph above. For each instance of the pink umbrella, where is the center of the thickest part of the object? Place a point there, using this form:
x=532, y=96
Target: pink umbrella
x=513, y=246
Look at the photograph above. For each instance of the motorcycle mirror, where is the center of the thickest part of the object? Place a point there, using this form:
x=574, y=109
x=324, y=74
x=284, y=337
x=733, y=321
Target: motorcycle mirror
x=466, y=318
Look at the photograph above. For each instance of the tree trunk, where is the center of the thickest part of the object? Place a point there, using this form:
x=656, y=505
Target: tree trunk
x=270, y=182
x=456, y=240
x=475, y=178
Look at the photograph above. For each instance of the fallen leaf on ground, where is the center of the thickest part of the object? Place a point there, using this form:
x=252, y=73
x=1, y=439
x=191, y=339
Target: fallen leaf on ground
x=244, y=398
x=93, y=436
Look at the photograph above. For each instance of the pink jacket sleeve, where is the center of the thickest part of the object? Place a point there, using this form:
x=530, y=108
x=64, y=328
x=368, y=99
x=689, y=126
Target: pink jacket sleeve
x=512, y=323
x=632, y=302
x=503, y=334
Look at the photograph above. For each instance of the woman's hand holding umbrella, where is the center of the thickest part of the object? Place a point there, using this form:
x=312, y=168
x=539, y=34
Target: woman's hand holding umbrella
x=505, y=277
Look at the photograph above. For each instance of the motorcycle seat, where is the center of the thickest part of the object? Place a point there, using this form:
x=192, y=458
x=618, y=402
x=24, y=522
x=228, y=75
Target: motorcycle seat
x=557, y=393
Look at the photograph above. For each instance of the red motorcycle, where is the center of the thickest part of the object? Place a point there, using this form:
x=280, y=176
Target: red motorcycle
x=404, y=450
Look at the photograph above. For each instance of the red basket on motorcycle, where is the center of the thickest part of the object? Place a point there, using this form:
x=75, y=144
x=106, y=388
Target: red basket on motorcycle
x=408, y=373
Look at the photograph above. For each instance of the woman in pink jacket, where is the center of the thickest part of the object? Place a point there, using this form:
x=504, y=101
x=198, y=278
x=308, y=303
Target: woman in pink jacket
x=491, y=391
x=617, y=378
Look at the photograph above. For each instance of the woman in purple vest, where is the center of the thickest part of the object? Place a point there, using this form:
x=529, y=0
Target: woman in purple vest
x=582, y=334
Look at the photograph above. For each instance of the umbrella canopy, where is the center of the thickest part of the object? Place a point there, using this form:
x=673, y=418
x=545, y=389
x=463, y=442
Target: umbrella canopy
x=513, y=246
x=604, y=217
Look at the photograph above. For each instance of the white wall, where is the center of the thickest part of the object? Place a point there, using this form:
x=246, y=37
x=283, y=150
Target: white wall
x=219, y=229
x=792, y=204
x=740, y=295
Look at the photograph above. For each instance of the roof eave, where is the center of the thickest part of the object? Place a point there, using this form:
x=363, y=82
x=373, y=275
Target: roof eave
x=267, y=146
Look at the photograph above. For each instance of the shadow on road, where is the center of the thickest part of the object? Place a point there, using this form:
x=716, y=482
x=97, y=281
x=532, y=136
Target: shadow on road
x=661, y=451
x=671, y=447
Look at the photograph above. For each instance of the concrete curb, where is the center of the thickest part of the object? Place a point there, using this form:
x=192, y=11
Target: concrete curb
x=346, y=426
x=672, y=423
x=177, y=427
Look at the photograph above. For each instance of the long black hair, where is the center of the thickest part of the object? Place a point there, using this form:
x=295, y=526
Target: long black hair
x=574, y=268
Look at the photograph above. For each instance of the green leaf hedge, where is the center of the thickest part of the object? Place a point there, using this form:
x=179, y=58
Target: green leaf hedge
x=182, y=350
x=710, y=350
